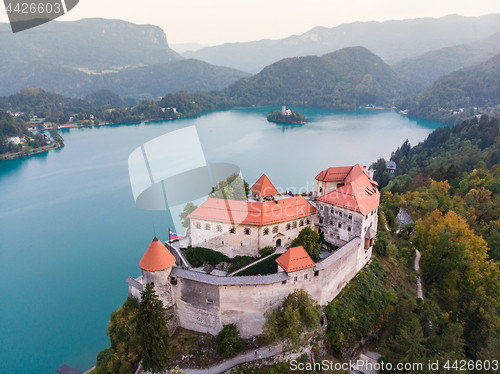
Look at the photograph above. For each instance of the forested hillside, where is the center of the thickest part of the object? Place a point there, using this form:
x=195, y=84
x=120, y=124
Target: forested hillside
x=450, y=185
x=58, y=109
x=453, y=97
x=428, y=67
x=343, y=80
x=147, y=82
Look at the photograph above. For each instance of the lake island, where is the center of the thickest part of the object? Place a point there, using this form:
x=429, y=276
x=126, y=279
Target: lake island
x=286, y=116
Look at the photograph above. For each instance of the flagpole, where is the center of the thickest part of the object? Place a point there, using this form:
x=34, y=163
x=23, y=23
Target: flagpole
x=169, y=237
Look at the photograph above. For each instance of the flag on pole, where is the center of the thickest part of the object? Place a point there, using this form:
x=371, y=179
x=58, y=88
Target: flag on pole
x=174, y=236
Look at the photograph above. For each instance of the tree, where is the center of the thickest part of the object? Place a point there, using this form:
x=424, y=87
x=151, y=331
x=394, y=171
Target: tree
x=124, y=354
x=188, y=209
x=232, y=188
x=153, y=331
x=229, y=342
x=308, y=238
x=297, y=313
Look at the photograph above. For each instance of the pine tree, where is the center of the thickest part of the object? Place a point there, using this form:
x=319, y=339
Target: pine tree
x=154, y=331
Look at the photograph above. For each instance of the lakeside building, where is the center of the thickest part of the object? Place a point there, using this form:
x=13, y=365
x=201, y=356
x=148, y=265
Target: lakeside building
x=344, y=208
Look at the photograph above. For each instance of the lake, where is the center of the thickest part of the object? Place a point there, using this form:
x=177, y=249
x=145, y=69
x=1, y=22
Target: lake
x=71, y=234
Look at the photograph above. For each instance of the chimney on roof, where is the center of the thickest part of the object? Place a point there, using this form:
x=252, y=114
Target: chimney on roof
x=365, y=169
x=370, y=173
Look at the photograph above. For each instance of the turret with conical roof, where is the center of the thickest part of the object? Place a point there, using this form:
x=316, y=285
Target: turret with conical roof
x=157, y=257
x=156, y=266
x=263, y=187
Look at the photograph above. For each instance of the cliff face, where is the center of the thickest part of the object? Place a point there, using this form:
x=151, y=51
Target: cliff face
x=93, y=44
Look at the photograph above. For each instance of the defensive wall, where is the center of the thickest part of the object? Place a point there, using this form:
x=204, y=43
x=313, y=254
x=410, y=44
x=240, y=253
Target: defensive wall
x=205, y=303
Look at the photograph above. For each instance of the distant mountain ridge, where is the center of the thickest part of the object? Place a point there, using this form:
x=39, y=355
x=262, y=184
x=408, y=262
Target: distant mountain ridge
x=426, y=68
x=94, y=43
x=391, y=40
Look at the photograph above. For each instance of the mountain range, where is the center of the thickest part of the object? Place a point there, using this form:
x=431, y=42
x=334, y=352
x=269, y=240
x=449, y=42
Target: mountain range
x=80, y=57
x=428, y=67
x=391, y=40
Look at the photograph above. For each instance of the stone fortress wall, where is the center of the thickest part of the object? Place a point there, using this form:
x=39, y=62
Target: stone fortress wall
x=206, y=303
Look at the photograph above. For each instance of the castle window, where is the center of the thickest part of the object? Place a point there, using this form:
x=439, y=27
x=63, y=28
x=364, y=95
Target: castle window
x=316, y=273
x=331, y=223
x=308, y=221
x=247, y=231
x=152, y=283
x=321, y=207
x=198, y=225
x=294, y=225
x=283, y=282
x=349, y=228
x=301, y=223
x=295, y=279
x=207, y=226
x=331, y=211
x=320, y=220
x=266, y=231
x=371, y=224
x=372, y=212
x=288, y=226
x=320, y=189
x=275, y=229
x=350, y=216
x=232, y=230
x=340, y=214
x=219, y=228
x=305, y=276
x=173, y=281
x=340, y=225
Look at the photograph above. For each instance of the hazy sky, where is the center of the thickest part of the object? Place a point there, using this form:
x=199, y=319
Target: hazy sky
x=219, y=21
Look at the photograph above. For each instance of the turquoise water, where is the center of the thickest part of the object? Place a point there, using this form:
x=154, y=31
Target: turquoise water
x=70, y=233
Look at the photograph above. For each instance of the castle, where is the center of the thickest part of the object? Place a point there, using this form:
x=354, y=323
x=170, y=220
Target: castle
x=344, y=208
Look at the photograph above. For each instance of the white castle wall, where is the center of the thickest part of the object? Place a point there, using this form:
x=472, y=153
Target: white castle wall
x=205, y=303
x=216, y=236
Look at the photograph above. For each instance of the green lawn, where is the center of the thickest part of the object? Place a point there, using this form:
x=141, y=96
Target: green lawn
x=265, y=267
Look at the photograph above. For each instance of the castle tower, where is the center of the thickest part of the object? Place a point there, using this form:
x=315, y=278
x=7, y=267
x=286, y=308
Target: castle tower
x=156, y=266
x=263, y=188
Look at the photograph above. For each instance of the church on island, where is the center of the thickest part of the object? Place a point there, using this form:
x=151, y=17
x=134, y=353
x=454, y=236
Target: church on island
x=344, y=207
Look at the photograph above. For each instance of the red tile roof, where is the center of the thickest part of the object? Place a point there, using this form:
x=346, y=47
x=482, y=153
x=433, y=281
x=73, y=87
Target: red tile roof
x=263, y=187
x=157, y=257
x=253, y=213
x=294, y=259
x=358, y=194
x=334, y=174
